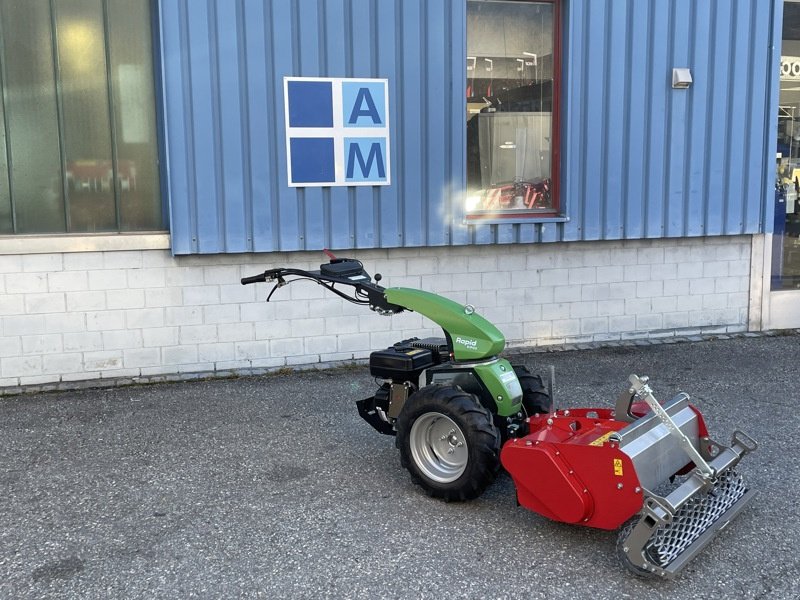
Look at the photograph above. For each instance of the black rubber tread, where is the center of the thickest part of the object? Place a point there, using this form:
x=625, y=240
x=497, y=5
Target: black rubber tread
x=482, y=438
x=535, y=399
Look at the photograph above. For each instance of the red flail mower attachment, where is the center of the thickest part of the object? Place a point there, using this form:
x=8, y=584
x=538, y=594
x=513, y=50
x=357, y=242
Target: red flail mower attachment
x=608, y=468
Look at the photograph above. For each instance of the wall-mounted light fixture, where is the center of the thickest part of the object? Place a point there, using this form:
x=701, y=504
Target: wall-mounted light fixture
x=681, y=78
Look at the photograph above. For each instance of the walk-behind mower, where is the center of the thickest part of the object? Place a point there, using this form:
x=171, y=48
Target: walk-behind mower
x=459, y=411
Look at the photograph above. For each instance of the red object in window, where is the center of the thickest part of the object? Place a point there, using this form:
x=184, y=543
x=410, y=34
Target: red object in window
x=527, y=194
x=537, y=195
x=498, y=198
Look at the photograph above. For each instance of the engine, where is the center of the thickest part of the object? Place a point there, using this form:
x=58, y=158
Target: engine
x=398, y=370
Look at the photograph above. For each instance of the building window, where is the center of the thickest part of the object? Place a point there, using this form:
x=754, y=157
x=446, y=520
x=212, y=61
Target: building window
x=512, y=109
x=78, y=148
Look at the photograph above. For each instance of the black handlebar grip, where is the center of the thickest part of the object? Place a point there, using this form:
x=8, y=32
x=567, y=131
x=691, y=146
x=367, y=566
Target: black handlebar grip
x=254, y=279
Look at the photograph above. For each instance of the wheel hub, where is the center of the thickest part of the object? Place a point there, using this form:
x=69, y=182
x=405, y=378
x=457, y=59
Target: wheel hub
x=438, y=447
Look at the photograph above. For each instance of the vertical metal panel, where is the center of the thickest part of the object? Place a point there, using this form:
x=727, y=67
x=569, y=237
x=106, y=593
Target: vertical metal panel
x=232, y=132
x=176, y=134
x=338, y=59
x=698, y=126
x=258, y=106
x=636, y=119
x=677, y=118
x=639, y=159
x=389, y=217
x=614, y=118
x=364, y=39
x=692, y=161
x=718, y=113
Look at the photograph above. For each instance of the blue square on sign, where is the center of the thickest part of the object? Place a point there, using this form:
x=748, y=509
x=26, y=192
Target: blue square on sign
x=312, y=160
x=310, y=104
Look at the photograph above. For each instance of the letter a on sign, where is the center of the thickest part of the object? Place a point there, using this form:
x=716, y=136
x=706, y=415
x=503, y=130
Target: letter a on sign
x=364, y=103
x=364, y=97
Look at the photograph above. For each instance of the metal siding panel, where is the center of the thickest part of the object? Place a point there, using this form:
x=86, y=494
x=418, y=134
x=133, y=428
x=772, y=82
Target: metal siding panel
x=552, y=232
x=757, y=79
x=284, y=55
x=636, y=124
x=436, y=122
x=593, y=108
x=617, y=59
x=458, y=233
x=526, y=233
x=363, y=43
x=755, y=112
x=175, y=121
x=678, y=102
x=337, y=57
x=411, y=126
x=205, y=126
x=737, y=117
x=700, y=94
x=307, y=31
x=506, y=233
x=260, y=127
x=484, y=234
x=572, y=138
x=718, y=115
x=657, y=120
x=233, y=160
x=388, y=231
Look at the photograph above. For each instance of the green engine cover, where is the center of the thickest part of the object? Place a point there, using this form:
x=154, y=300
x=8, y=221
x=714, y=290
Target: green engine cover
x=473, y=337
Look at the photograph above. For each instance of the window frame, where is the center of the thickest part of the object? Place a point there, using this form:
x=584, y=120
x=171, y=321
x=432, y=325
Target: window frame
x=556, y=214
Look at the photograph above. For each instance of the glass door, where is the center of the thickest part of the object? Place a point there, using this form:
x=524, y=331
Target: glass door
x=780, y=308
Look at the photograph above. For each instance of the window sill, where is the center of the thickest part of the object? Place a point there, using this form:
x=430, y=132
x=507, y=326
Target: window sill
x=99, y=242
x=493, y=218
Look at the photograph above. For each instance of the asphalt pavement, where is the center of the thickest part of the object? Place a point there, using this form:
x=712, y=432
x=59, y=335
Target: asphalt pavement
x=273, y=487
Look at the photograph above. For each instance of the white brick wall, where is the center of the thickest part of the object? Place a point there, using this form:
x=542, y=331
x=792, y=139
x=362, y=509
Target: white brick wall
x=74, y=316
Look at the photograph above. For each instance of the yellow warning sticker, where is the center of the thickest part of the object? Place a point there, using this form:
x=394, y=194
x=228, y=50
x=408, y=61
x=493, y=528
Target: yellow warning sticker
x=602, y=439
x=618, y=467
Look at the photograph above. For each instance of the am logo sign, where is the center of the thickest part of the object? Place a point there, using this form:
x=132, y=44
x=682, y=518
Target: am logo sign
x=337, y=131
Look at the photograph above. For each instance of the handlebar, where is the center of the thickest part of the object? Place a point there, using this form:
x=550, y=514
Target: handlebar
x=254, y=279
x=339, y=271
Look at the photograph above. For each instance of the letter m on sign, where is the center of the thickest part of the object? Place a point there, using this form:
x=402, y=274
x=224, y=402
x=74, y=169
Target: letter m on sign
x=366, y=159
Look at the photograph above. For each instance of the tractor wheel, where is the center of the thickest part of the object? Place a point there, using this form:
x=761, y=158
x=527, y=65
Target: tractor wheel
x=535, y=399
x=448, y=442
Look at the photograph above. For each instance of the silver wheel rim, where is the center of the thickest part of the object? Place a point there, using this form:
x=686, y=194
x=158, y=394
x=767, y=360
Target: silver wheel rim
x=438, y=447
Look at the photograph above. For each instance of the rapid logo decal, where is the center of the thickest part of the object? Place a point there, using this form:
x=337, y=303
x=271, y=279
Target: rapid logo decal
x=471, y=344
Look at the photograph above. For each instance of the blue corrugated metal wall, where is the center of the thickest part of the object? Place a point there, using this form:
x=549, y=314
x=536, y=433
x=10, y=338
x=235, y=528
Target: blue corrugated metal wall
x=639, y=159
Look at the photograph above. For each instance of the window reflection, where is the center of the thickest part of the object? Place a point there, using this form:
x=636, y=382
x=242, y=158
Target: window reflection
x=79, y=117
x=510, y=67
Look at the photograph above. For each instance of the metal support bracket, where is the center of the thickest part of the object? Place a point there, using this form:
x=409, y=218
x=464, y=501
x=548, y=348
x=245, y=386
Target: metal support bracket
x=643, y=391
